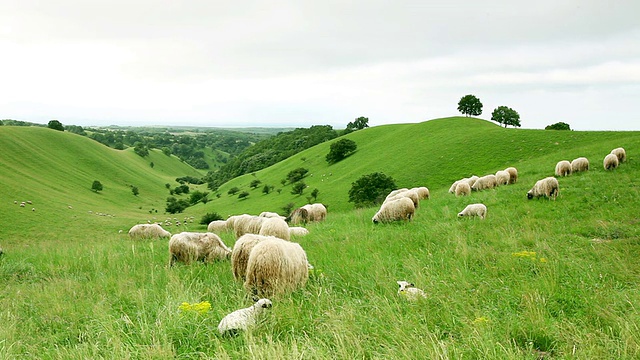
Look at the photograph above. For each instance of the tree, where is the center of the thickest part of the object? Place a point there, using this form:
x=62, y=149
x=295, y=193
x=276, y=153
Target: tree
x=358, y=124
x=296, y=174
x=298, y=188
x=234, y=190
x=209, y=217
x=267, y=189
x=141, y=149
x=197, y=196
x=314, y=194
x=558, y=126
x=254, y=183
x=371, y=189
x=134, y=190
x=470, y=105
x=243, y=195
x=340, y=150
x=506, y=116
x=96, y=186
x=55, y=125
x=176, y=206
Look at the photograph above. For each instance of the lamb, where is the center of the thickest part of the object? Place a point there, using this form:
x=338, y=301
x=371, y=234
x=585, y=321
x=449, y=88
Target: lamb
x=620, y=153
x=563, y=168
x=308, y=213
x=479, y=210
x=148, y=231
x=502, y=177
x=217, y=226
x=485, y=182
x=275, y=226
x=610, y=162
x=189, y=246
x=579, y=164
x=548, y=187
x=463, y=189
x=513, y=174
x=409, y=291
x=395, y=210
x=243, y=319
x=298, y=231
x=276, y=266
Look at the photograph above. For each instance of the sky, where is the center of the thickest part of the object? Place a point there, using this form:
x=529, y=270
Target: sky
x=297, y=63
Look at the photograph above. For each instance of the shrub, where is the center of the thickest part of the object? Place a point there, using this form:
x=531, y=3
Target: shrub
x=340, y=150
x=243, y=195
x=254, y=183
x=96, y=186
x=371, y=189
x=558, y=126
x=197, y=196
x=296, y=174
x=176, y=206
x=298, y=188
x=209, y=217
x=234, y=190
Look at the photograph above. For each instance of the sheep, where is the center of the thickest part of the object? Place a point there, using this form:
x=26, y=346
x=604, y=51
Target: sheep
x=452, y=188
x=620, y=153
x=395, y=192
x=298, y=231
x=548, y=187
x=610, y=162
x=240, y=253
x=563, y=168
x=189, y=246
x=411, y=194
x=485, y=182
x=217, y=226
x=395, y=210
x=248, y=224
x=276, y=266
x=579, y=164
x=409, y=291
x=479, y=210
x=423, y=192
x=463, y=189
x=513, y=174
x=268, y=214
x=148, y=231
x=275, y=226
x=308, y=213
x=243, y=319
x=502, y=177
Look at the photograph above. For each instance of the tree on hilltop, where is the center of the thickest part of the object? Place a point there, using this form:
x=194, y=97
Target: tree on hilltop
x=470, y=105
x=506, y=116
x=358, y=124
x=558, y=126
x=55, y=125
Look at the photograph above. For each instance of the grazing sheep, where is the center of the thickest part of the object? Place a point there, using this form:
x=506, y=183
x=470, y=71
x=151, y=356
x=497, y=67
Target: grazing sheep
x=563, y=168
x=243, y=319
x=411, y=194
x=240, y=254
x=248, y=224
x=579, y=164
x=276, y=266
x=298, y=231
x=268, y=214
x=485, y=182
x=275, y=226
x=502, y=177
x=308, y=213
x=395, y=192
x=620, y=153
x=513, y=174
x=217, y=226
x=548, y=187
x=463, y=189
x=148, y=231
x=395, y=210
x=610, y=162
x=479, y=210
x=190, y=246
x=423, y=192
x=409, y=291
x=452, y=188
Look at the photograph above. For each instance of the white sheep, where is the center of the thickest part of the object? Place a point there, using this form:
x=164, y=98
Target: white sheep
x=502, y=177
x=243, y=319
x=240, y=253
x=395, y=192
x=191, y=246
x=579, y=164
x=412, y=194
x=463, y=189
x=217, y=226
x=479, y=210
x=563, y=168
x=409, y=291
x=423, y=192
x=548, y=187
x=271, y=214
x=275, y=226
x=148, y=231
x=453, y=186
x=276, y=266
x=513, y=174
x=247, y=224
x=400, y=209
x=485, y=182
x=308, y=213
x=298, y=231
x=610, y=162
x=620, y=153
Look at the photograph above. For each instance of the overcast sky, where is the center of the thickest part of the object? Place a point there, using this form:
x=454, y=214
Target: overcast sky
x=300, y=63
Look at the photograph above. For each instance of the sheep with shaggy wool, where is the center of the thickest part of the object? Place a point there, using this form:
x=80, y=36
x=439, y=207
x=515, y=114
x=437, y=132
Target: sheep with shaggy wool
x=217, y=226
x=411, y=194
x=276, y=266
x=308, y=213
x=563, y=168
x=409, y=291
x=243, y=319
x=275, y=226
x=547, y=187
x=395, y=210
x=395, y=192
x=268, y=214
x=240, y=253
x=485, y=182
x=248, y=225
x=452, y=188
x=513, y=174
x=472, y=210
x=148, y=231
x=610, y=162
x=298, y=231
x=502, y=177
x=463, y=189
x=191, y=246
x=579, y=164
x=423, y=192
x=620, y=153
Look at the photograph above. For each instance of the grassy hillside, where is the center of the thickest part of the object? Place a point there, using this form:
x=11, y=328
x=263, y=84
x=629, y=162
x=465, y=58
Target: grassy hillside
x=536, y=279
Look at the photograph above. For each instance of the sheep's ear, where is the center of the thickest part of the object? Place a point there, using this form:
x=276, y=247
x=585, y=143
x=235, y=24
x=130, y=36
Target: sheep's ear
x=255, y=298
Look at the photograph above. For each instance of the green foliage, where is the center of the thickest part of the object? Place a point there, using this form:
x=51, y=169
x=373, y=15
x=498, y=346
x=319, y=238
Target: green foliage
x=243, y=195
x=209, y=217
x=234, y=190
x=470, y=105
x=75, y=130
x=152, y=164
x=266, y=189
x=55, y=125
x=314, y=194
x=254, y=183
x=558, y=126
x=358, y=124
x=298, y=188
x=197, y=196
x=506, y=116
x=182, y=189
x=96, y=186
x=340, y=150
x=189, y=180
x=135, y=190
x=288, y=208
x=296, y=174
x=371, y=189
x=175, y=206
x=141, y=149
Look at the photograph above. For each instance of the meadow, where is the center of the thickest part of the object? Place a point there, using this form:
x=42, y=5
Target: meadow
x=536, y=279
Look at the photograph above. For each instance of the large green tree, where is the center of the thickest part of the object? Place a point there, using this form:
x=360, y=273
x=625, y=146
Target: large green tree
x=358, y=124
x=55, y=125
x=470, y=105
x=506, y=116
x=340, y=150
x=371, y=189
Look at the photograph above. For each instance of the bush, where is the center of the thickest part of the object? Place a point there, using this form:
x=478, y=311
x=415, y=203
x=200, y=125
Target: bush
x=135, y=190
x=558, y=126
x=96, y=186
x=176, y=206
x=197, y=196
x=243, y=195
x=371, y=189
x=234, y=190
x=298, y=188
x=182, y=189
x=189, y=180
x=340, y=150
x=254, y=183
x=297, y=174
x=209, y=217
x=288, y=208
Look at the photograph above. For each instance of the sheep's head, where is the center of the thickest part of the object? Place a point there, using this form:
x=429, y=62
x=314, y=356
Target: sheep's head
x=460, y=214
x=529, y=195
x=263, y=303
x=404, y=285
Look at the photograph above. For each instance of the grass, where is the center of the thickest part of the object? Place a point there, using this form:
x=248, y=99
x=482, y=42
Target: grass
x=537, y=278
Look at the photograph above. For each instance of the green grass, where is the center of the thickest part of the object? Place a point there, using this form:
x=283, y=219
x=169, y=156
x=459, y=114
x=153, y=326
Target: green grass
x=74, y=288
